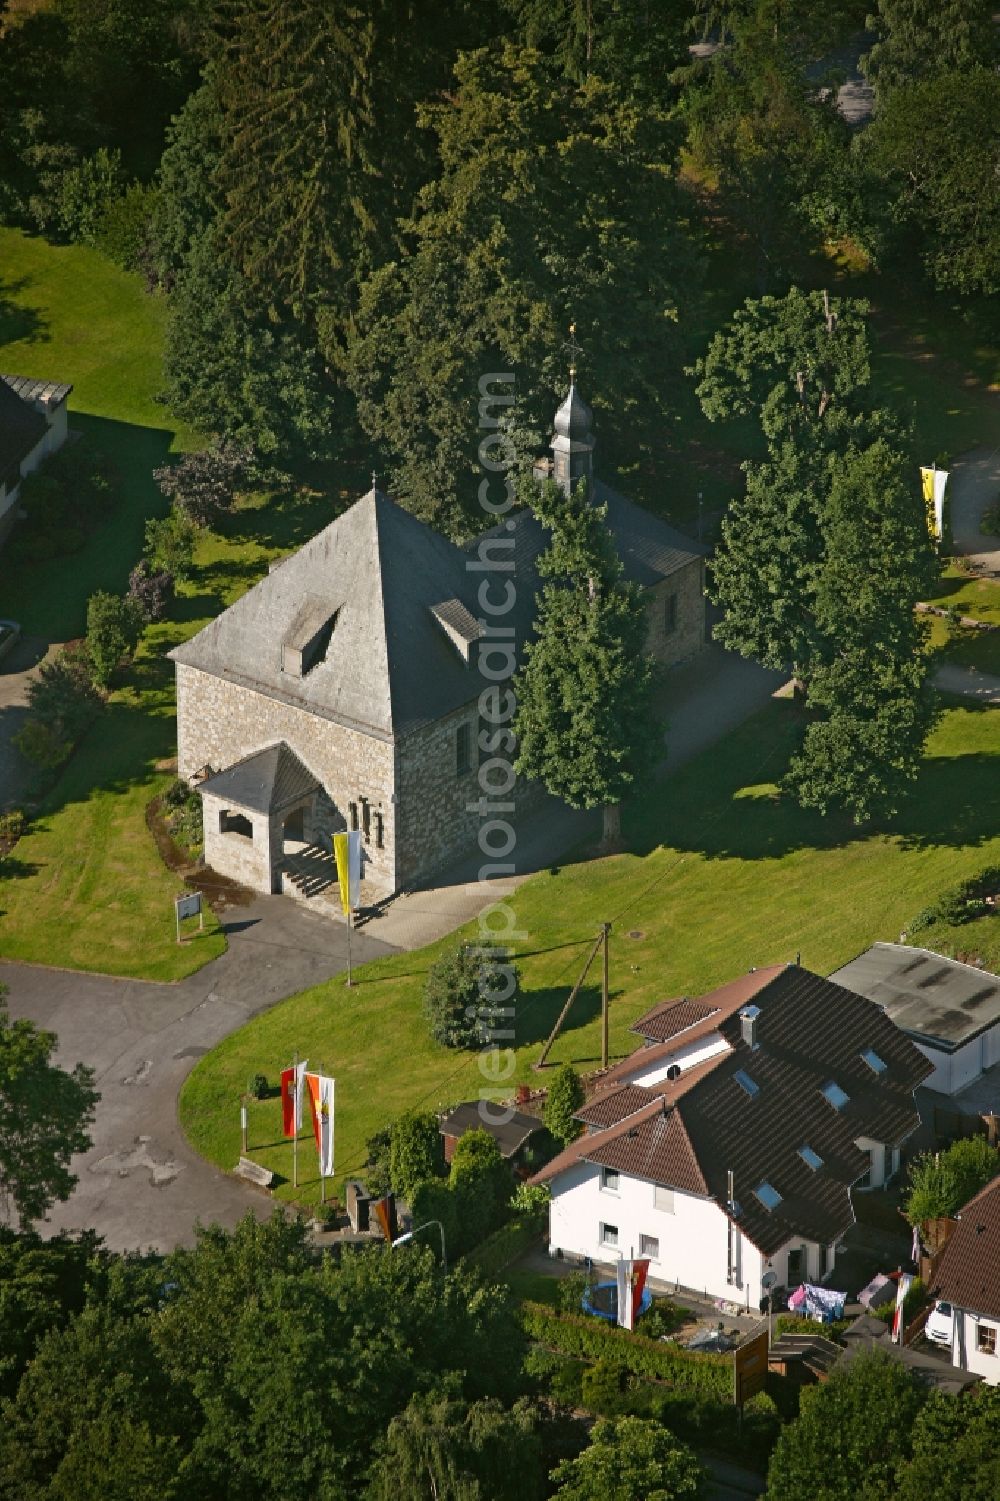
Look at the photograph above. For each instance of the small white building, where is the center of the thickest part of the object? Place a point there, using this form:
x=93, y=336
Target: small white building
x=968, y=1278
x=33, y=424
x=727, y=1146
x=951, y=1010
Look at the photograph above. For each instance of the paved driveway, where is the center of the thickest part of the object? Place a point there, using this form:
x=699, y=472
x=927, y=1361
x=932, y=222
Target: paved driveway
x=975, y=484
x=141, y=1184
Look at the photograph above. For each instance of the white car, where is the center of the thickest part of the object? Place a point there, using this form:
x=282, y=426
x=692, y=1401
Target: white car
x=938, y=1326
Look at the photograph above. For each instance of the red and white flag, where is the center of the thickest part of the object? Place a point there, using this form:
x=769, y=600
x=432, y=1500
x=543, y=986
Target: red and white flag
x=321, y=1090
x=902, y=1288
x=640, y=1270
x=292, y=1083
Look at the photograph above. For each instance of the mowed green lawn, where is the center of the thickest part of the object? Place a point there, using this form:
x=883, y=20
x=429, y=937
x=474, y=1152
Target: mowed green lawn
x=724, y=876
x=67, y=314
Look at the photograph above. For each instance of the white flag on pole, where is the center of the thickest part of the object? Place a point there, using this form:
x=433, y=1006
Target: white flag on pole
x=623, y=1273
x=300, y=1085
x=898, y=1321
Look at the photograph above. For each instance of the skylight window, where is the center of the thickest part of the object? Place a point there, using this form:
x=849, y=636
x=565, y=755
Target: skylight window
x=810, y=1158
x=748, y=1085
x=875, y=1063
x=834, y=1095
x=768, y=1195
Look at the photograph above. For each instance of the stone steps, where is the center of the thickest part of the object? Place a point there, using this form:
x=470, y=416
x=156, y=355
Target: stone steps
x=309, y=872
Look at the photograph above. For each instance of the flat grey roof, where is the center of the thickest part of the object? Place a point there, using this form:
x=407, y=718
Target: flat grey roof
x=937, y=1000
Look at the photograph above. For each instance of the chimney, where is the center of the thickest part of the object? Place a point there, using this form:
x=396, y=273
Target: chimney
x=748, y=1025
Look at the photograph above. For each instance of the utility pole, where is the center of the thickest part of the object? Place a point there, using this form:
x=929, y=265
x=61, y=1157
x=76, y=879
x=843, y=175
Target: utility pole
x=606, y=931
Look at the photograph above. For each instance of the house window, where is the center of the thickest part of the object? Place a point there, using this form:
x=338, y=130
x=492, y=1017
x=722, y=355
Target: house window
x=352, y=813
x=663, y=1198
x=649, y=1245
x=235, y=823
x=379, y=832
x=768, y=1195
x=986, y=1339
x=670, y=614
x=810, y=1158
x=875, y=1063
x=748, y=1085
x=834, y=1095
x=609, y=1235
x=463, y=750
x=609, y=1179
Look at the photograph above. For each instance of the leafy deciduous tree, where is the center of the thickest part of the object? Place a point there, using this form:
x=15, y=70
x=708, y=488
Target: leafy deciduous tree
x=44, y=1114
x=469, y=994
x=630, y=1459
x=940, y=1183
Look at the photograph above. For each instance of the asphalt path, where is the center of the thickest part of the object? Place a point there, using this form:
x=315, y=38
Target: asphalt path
x=140, y=1184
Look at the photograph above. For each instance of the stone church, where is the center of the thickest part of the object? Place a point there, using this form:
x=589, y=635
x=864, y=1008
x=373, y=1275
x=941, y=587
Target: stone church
x=342, y=691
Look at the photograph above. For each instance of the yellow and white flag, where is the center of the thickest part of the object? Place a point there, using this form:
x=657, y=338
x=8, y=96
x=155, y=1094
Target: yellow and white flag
x=933, y=482
x=347, y=853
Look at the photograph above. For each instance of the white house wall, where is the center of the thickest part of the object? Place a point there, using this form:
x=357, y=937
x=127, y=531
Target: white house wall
x=684, y=1058
x=965, y=1353
x=693, y=1237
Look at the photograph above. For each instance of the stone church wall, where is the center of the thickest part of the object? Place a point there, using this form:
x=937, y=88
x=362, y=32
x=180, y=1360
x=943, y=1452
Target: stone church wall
x=219, y=722
x=673, y=646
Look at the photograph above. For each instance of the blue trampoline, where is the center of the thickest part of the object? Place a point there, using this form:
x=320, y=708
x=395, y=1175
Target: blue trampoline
x=602, y=1301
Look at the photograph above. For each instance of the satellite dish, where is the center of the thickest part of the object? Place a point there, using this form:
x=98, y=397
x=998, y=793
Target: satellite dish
x=768, y=1280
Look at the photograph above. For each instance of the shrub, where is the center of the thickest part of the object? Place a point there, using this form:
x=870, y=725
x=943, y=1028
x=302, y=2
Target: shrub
x=989, y=524
x=11, y=826
x=469, y=995
x=63, y=697
x=378, y=1179
x=114, y=625
x=203, y=485
x=531, y=1199
x=570, y=1291
x=416, y=1151
x=915, y=1299
x=590, y=1338
x=661, y=1318
x=564, y=1099
x=961, y=903
x=85, y=191
x=151, y=590
x=257, y=1087
x=124, y=226
x=941, y=1183
x=506, y=1245
x=601, y=1388
x=43, y=745
x=169, y=545
x=65, y=499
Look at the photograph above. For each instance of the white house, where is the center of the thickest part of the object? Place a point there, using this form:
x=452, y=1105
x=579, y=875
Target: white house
x=968, y=1278
x=950, y=1010
x=727, y=1145
x=33, y=423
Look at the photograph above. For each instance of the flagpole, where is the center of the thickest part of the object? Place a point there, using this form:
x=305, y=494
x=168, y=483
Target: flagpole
x=295, y=1120
x=349, y=920
x=322, y=1174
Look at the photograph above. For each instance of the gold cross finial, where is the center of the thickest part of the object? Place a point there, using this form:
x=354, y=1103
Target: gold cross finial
x=573, y=349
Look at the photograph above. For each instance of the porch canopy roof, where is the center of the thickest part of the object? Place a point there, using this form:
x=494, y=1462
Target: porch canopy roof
x=268, y=781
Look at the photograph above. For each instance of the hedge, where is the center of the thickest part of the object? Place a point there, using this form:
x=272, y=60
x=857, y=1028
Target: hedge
x=494, y=1254
x=589, y=1338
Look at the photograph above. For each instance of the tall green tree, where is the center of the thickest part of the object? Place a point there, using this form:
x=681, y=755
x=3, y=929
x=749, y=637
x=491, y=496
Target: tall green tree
x=931, y=151
x=585, y=721
x=44, y=1114
x=851, y=1433
x=563, y=1100
x=553, y=202
x=942, y=1183
x=954, y=1448
x=773, y=146
x=915, y=40
x=825, y=556
x=630, y=1459
x=443, y=1449
x=631, y=43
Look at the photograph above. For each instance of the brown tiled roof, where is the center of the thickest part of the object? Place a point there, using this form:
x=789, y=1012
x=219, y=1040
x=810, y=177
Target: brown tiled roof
x=671, y=1017
x=716, y=1005
x=968, y=1273
x=613, y=1105
x=809, y=1031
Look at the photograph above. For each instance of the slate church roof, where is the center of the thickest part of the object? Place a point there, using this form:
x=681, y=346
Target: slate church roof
x=374, y=623
x=265, y=782
x=690, y=1132
x=388, y=667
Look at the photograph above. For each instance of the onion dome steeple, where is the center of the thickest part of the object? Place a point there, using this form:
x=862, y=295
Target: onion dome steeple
x=573, y=441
